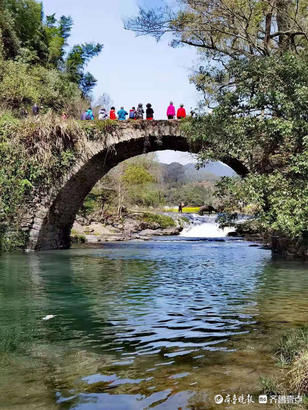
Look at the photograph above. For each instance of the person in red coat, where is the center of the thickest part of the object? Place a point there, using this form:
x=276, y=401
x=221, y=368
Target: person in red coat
x=181, y=112
x=112, y=114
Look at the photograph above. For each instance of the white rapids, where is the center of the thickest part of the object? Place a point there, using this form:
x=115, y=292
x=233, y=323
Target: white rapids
x=204, y=227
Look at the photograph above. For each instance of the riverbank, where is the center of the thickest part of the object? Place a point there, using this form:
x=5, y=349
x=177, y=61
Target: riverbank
x=143, y=225
x=133, y=225
x=291, y=356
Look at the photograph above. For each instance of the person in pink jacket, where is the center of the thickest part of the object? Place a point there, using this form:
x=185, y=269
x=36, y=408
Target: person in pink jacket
x=171, y=111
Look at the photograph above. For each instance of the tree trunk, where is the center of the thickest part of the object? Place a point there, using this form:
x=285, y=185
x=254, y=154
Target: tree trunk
x=283, y=23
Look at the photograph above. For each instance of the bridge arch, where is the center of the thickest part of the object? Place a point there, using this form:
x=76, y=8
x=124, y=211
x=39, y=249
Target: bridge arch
x=55, y=214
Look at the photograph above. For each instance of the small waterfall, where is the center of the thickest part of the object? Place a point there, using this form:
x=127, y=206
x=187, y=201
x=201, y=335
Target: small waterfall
x=204, y=227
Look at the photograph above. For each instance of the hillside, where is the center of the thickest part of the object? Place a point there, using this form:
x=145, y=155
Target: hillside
x=178, y=173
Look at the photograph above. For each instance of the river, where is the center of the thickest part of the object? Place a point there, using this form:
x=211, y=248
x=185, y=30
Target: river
x=165, y=324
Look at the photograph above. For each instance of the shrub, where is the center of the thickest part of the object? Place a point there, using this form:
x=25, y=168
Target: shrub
x=164, y=221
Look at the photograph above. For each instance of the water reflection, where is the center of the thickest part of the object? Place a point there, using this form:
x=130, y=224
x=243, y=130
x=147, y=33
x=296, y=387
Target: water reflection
x=142, y=324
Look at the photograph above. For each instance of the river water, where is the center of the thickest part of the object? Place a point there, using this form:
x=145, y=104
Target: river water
x=166, y=324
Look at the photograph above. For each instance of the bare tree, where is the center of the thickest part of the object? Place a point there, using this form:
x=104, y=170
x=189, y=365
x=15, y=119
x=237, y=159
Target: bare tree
x=104, y=101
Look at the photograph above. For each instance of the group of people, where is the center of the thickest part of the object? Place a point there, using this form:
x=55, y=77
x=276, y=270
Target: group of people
x=180, y=114
x=36, y=111
x=134, y=113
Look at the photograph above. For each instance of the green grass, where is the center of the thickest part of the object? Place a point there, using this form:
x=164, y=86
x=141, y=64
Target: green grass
x=163, y=220
x=292, y=345
x=269, y=386
x=77, y=237
x=292, y=355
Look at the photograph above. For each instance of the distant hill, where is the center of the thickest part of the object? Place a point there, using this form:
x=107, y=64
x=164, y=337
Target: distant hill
x=176, y=172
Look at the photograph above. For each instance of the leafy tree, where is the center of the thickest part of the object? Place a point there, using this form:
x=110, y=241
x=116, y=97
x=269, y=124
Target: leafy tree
x=254, y=80
x=75, y=64
x=8, y=34
x=229, y=28
x=28, y=25
x=137, y=175
x=190, y=194
x=34, y=65
x=57, y=34
x=260, y=115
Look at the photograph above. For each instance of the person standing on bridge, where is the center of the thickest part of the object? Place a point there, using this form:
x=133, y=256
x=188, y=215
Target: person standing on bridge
x=133, y=114
x=89, y=115
x=181, y=112
x=122, y=114
x=112, y=114
x=102, y=114
x=149, y=112
x=139, y=112
x=35, y=109
x=171, y=111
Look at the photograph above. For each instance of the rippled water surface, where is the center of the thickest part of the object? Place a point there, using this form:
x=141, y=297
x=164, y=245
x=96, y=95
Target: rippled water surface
x=160, y=324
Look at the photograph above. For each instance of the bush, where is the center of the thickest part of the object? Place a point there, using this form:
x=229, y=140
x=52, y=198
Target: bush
x=164, y=221
x=33, y=154
x=21, y=85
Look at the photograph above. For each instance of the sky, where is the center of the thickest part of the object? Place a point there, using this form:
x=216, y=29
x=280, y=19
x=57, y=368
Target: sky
x=131, y=69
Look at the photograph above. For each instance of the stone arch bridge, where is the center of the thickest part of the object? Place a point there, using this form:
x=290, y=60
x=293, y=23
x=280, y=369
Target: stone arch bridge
x=49, y=218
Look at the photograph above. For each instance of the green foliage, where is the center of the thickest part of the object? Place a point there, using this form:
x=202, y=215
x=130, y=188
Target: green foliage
x=95, y=129
x=292, y=354
x=57, y=33
x=90, y=204
x=164, y=221
x=137, y=175
x=147, y=196
x=8, y=38
x=279, y=202
x=141, y=182
x=32, y=57
x=269, y=386
x=23, y=84
x=190, y=194
x=77, y=237
x=33, y=154
x=260, y=117
x=228, y=28
x=75, y=63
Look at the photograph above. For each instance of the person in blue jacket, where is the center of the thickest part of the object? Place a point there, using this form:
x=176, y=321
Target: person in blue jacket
x=122, y=114
x=89, y=114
